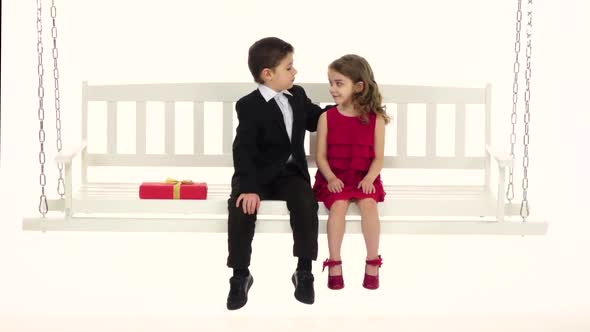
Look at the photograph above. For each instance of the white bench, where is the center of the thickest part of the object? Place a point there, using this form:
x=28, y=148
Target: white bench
x=438, y=209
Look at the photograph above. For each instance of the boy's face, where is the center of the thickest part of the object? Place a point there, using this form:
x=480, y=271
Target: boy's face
x=342, y=88
x=282, y=76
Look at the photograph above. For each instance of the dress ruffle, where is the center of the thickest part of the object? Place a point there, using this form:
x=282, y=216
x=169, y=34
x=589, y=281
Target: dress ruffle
x=345, y=157
x=350, y=153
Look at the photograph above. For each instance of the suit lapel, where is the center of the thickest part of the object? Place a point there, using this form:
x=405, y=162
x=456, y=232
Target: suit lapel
x=275, y=112
x=297, y=116
x=277, y=115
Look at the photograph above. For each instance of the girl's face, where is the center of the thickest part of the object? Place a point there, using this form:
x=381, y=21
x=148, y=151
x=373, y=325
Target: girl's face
x=342, y=88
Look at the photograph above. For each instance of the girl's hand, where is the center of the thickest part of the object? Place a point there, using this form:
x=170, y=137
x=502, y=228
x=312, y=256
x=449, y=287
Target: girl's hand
x=335, y=185
x=367, y=186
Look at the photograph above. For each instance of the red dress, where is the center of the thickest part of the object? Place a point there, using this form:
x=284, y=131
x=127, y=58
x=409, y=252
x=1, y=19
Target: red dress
x=350, y=152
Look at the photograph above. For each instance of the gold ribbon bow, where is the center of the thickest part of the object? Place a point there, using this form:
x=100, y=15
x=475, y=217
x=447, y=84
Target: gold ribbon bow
x=177, y=184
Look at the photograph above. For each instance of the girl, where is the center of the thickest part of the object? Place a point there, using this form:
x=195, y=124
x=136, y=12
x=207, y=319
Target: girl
x=350, y=144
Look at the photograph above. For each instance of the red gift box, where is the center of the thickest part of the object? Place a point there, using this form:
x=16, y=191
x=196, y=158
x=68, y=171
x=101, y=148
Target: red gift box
x=173, y=189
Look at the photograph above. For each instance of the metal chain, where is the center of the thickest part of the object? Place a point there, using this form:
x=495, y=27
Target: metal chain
x=58, y=141
x=41, y=111
x=524, y=206
x=516, y=70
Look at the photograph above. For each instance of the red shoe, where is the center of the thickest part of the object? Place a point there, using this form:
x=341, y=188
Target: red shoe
x=334, y=282
x=372, y=282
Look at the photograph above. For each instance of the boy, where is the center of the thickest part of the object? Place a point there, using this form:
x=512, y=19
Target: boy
x=269, y=163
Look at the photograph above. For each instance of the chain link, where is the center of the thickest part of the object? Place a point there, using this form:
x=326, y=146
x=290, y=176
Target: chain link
x=524, y=206
x=43, y=208
x=58, y=140
x=513, y=117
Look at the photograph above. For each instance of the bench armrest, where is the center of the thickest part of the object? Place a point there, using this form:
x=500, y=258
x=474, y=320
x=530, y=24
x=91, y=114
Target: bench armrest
x=501, y=159
x=68, y=156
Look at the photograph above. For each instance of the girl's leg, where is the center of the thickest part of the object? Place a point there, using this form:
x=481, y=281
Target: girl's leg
x=371, y=227
x=336, y=228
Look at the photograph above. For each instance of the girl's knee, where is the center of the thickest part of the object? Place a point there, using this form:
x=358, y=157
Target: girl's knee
x=339, y=208
x=366, y=203
x=367, y=206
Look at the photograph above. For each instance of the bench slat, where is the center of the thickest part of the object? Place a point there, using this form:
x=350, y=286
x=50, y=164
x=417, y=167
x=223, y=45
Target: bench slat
x=228, y=128
x=430, y=130
x=402, y=130
x=463, y=226
x=478, y=205
x=460, y=130
x=169, y=124
x=229, y=92
x=140, y=127
x=198, y=127
x=394, y=191
x=112, y=127
x=211, y=160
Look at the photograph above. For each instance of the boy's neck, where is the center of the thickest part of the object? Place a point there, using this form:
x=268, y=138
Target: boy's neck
x=271, y=87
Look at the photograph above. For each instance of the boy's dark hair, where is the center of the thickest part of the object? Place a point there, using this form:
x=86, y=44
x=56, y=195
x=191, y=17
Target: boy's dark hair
x=267, y=53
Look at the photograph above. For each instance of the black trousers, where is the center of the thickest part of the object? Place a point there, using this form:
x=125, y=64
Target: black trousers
x=291, y=187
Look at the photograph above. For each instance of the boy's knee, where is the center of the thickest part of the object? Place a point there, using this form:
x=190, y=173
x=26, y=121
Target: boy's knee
x=237, y=211
x=231, y=205
x=305, y=203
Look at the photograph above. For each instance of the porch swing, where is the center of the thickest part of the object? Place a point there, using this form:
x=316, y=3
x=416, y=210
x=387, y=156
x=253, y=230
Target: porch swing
x=408, y=209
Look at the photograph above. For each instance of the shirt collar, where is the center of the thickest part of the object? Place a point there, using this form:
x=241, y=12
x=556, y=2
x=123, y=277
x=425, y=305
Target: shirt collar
x=268, y=93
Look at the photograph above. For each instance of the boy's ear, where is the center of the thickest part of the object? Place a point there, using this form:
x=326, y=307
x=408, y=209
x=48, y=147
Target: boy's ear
x=359, y=86
x=266, y=74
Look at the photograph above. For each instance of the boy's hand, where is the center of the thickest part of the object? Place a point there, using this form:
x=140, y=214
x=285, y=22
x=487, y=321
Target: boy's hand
x=335, y=185
x=367, y=186
x=250, y=203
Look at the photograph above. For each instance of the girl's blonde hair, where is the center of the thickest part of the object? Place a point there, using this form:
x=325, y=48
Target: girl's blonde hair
x=369, y=99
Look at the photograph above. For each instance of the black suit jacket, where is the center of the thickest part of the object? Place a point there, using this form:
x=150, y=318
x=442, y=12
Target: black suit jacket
x=261, y=147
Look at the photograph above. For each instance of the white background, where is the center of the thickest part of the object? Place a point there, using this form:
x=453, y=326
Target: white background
x=154, y=282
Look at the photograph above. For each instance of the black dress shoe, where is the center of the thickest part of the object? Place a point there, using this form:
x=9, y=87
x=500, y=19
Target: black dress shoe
x=303, y=281
x=238, y=291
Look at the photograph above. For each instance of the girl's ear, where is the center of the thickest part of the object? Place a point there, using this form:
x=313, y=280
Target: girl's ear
x=359, y=86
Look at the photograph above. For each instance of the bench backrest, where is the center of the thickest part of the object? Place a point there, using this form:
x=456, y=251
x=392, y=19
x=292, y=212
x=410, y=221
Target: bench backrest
x=199, y=94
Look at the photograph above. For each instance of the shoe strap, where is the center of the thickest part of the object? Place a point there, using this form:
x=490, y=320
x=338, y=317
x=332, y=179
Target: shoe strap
x=330, y=263
x=375, y=262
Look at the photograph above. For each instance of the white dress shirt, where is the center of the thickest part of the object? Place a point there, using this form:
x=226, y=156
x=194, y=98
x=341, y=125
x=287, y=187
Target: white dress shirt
x=284, y=105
